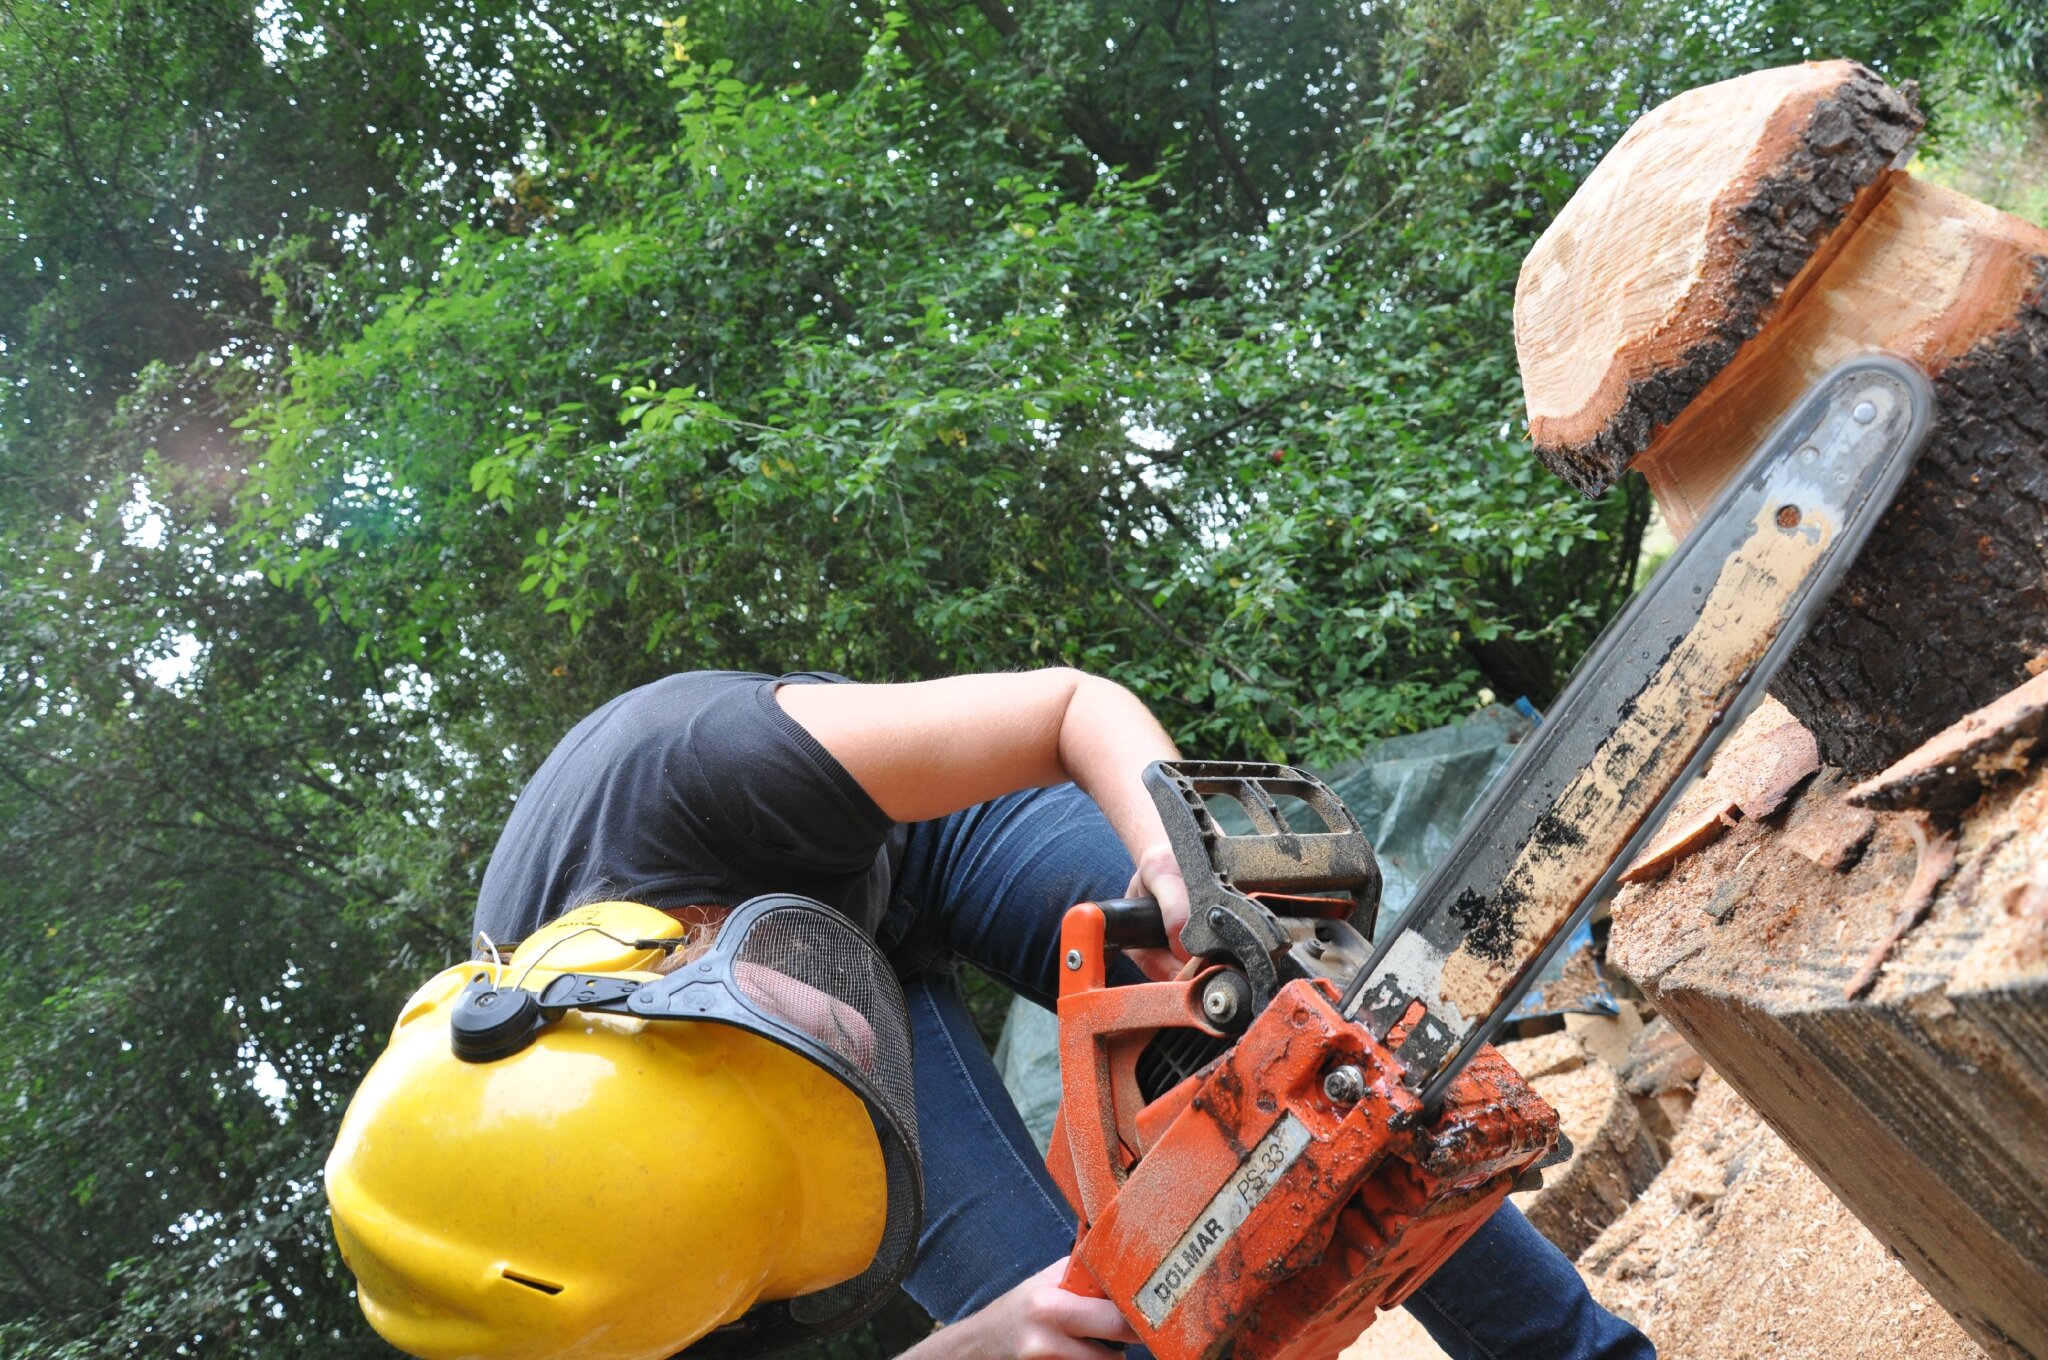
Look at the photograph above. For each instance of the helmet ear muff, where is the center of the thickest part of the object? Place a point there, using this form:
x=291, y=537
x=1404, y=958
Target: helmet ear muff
x=490, y=1022
x=496, y=1016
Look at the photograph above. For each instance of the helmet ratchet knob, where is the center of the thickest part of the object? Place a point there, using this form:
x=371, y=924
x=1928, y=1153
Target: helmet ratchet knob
x=488, y=1023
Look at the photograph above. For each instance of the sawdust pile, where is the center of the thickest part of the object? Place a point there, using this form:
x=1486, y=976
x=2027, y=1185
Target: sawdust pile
x=1735, y=1251
x=1738, y=1252
x=1396, y=1336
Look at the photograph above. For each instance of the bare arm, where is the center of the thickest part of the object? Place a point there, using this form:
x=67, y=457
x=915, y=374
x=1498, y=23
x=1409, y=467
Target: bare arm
x=926, y=749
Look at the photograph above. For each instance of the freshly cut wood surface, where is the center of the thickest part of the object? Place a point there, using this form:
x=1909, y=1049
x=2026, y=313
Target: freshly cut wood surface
x=1923, y=1103
x=1927, y=275
x=1682, y=242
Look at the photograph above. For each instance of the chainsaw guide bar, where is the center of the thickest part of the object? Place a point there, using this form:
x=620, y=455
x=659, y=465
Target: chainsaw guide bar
x=1296, y=1131
x=1641, y=716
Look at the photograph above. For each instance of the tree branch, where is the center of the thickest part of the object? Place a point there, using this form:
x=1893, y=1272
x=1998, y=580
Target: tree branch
x=1186, y=643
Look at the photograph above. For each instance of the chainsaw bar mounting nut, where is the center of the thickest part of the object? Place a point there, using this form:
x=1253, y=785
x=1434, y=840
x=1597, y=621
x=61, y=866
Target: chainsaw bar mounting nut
x=1344, y=1085
x=1226, y=1001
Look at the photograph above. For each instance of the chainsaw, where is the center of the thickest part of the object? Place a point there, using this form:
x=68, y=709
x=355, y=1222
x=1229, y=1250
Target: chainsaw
x=1299, y=1129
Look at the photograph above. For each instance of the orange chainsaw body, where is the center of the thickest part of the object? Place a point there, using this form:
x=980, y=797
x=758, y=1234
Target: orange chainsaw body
x=1245, y=1214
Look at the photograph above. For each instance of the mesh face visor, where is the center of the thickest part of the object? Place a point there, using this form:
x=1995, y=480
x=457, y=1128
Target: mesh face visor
x=800, y=975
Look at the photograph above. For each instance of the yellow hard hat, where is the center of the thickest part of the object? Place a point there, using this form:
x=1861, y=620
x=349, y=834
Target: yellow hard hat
x=569, y=1154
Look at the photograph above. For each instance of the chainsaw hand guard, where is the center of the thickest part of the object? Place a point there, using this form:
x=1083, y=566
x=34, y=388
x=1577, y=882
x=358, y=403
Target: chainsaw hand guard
x=1277, y=862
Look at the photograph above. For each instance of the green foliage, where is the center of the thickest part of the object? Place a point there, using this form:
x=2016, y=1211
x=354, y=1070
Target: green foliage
x=1990, y=144
x=765, y=409
x=383, y=385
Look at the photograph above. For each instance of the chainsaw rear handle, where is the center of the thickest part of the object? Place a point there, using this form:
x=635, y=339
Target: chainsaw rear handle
x=1102, y=1029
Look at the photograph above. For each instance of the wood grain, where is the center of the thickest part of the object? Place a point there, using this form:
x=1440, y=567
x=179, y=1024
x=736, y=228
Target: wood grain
x=1682, y=243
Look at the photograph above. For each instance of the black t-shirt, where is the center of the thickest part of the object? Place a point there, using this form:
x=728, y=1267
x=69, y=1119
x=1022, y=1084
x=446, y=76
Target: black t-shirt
x=694, y=789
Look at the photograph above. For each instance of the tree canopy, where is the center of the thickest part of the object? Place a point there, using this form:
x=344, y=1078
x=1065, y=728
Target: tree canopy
x=385, y=384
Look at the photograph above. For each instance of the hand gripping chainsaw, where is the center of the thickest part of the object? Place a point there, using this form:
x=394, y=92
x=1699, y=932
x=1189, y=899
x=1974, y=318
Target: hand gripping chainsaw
x=1302, y=1127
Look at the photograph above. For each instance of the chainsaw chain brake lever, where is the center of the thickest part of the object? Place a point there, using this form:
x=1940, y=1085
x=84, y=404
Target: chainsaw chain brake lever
x=1225, y=922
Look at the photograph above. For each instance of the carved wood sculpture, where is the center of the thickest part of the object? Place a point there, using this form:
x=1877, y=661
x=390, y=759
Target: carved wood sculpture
x=1737, y=243
x=1867, y=965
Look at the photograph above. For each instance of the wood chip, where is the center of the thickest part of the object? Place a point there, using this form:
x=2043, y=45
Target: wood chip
x=1831, y=833
x=1768, y=757
x=1937, y=858
x=1770, y=768
x=1950, y=770
x=1701, y=827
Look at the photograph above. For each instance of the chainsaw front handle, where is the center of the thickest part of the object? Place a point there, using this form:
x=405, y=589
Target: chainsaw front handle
x=1133, y=923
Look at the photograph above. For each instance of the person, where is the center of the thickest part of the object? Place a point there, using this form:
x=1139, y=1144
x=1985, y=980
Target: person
x=950, y=821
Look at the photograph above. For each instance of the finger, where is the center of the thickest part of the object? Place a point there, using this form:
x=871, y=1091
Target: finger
x=1158, y=964
x=1172, y=893
x=1050, y=1344
x=1078, y=1315
x=1159, y=878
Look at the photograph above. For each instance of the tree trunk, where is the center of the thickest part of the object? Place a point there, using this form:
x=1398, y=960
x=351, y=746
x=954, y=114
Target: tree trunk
x=1738, y=243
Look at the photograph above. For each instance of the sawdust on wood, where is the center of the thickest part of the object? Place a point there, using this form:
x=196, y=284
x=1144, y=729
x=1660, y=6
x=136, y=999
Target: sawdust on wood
x=1834, y=836
x=1738, y=1252
x=1762, y=762
x=1557, y=1051
x=1755, y=916
x=2008, y=882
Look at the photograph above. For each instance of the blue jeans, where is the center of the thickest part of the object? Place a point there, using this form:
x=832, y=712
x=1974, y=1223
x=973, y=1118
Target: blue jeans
x=988, y=885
